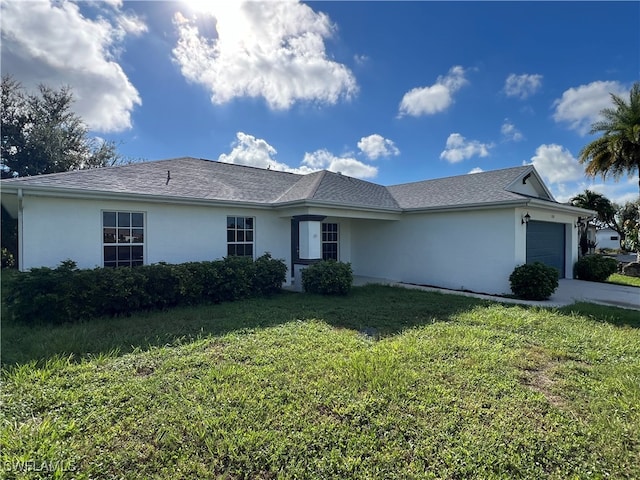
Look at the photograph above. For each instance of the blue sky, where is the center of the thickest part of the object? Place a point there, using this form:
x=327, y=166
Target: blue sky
x=390, y=92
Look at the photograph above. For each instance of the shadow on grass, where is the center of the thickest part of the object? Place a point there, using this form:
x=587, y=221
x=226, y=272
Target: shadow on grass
x=375, y=310
x=620, y=317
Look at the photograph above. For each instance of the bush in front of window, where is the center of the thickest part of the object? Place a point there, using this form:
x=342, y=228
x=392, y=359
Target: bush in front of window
x=595, y=268
x=534, y=281
x=328, y=278
x=270, y=274
x=67, y=294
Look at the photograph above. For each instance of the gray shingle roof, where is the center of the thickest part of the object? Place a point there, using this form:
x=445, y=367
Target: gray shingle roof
x=200, y=179
x=190, y=178
x=473, y=189
x=344, y=190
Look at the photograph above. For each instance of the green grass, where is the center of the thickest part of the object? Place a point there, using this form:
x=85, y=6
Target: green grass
x=620, y=279
x=384, y=383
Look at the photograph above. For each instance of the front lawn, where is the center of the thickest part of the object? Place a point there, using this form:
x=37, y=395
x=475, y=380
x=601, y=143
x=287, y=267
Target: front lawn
x=620, y=279
x=384, y=383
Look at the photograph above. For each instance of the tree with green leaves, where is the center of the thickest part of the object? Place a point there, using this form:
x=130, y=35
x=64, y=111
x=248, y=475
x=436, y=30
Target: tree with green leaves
x=624, y=221
x=42, y=134
x=597, y=202
x=617, y=151
x=601, y=205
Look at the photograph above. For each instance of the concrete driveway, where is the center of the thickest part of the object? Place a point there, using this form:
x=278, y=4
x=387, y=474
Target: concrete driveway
x=571, y=291
x=568, y=292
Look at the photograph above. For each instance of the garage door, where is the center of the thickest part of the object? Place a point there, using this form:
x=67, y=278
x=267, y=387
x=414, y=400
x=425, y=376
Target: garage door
x=545, y=244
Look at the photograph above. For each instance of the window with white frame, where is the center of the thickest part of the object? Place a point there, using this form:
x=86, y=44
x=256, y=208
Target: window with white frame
x=122, y=238
x=330, y=241
x=240, y=236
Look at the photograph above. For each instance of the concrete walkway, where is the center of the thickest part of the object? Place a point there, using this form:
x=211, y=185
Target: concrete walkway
x=568, y=292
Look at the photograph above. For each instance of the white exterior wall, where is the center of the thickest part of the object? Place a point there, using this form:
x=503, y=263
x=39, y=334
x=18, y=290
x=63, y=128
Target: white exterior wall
x=466, y=250
x=603, y=239
x=472, y=250
x=55, y=229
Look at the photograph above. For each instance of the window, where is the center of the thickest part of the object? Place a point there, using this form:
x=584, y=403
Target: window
x=330, y=241
x=240, y=236
x=614, y=237
x=123, y=239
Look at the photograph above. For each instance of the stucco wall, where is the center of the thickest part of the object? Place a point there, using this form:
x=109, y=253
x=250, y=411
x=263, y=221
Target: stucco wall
x=603, y=239
x=58, y=229
x=472, y=250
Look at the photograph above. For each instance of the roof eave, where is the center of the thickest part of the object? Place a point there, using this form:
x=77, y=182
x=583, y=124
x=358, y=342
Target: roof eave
x=72, y=193
x=561, y=207
x=334, y=205
x=468, y=206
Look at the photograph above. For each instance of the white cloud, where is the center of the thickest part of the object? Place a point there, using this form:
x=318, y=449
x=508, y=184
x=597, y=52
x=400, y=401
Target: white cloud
x=375, y=146
x=361, y=59
x=256, y=152
x=459, y=148
x=619, y=192
x=436, y=98
x=556, y=164
x=565, y=192
x=251, y=151
x=273, y=50
x=54, y=44
x=565, y=176
x=323, y=159
x=510, y=132
x=476, y=170
x=580, y=107
x=522, y=86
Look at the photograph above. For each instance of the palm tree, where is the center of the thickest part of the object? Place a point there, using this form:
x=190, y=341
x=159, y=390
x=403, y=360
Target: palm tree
x=597, y=202
x=601, y=205
x=617, y=151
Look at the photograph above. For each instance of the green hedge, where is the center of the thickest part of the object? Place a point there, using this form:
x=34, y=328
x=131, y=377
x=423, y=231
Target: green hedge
x=328, y=278
x=67, y=294
x=534, y=281
x=595, y=268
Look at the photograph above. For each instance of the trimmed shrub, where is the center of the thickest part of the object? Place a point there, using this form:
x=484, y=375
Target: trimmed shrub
x=328, y=278
x=594, y=268
x=66, y=294
x=270, y=274
x=534, y=281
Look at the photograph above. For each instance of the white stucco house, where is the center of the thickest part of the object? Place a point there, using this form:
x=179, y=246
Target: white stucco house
x=466, y=232
x=607, y=238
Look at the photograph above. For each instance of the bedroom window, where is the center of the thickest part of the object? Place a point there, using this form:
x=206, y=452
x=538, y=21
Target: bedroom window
x=330, y=241
x=123, y=239
x=240, y=235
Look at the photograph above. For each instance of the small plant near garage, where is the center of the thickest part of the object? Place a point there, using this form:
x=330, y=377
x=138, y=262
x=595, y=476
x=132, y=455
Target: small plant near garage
x=328, y=278
x=534, y=281
x=594, y=268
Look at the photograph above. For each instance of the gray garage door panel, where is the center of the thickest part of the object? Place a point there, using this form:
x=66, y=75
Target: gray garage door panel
x=545, y=244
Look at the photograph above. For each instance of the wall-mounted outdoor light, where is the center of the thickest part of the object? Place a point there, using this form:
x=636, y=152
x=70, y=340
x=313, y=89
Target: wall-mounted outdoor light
x=526, y=218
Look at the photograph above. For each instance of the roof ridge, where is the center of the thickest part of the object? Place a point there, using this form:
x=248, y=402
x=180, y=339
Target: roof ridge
x=316, y=183
x=218, y=162
x=302, y=176
x=462, y=175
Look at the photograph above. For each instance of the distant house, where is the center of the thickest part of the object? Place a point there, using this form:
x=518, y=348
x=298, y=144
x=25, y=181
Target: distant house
x=466, y=232
x=608, y=238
